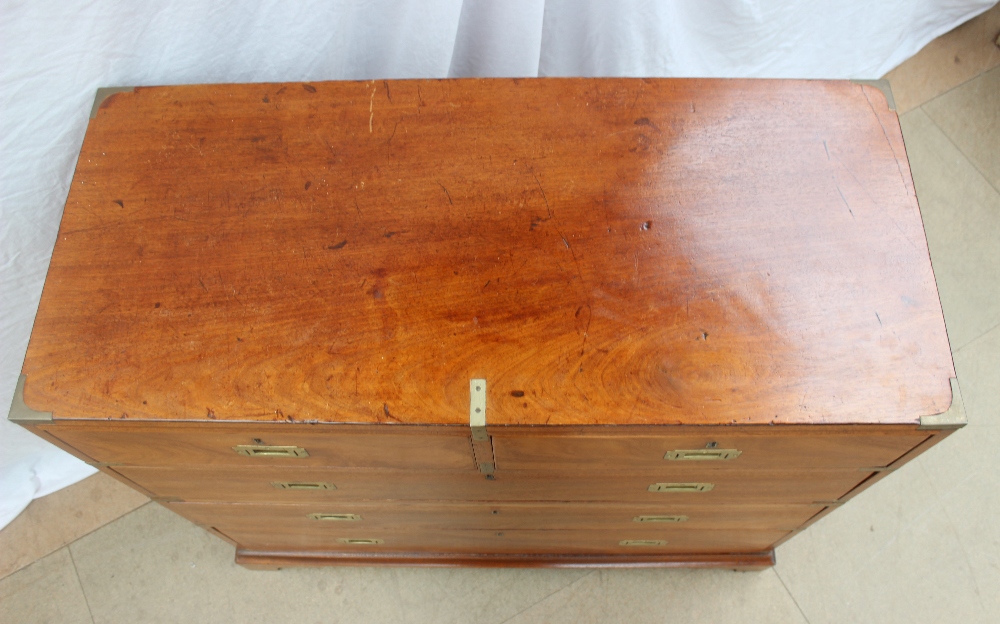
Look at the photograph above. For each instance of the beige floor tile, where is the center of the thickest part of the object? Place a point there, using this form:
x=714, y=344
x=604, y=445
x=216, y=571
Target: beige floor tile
x=978, y=365
x=152, y=566
x=961, y=214
x=970, y=117
x=637, y=596
x=962, y=470
x=46, y=591
x=947, y=62
x=889, y=555
x=51, y=522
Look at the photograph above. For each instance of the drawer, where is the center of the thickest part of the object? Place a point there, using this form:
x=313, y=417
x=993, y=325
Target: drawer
x=539, y=450
x=364, y=540
x=495, y=516
x=405, y=447
x=257, y=485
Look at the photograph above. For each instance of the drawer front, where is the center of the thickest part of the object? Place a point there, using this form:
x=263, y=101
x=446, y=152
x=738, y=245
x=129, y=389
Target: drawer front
x=333, y=517
x=256, y=485
x=711, y=451
x=362, y=539
x=417, y=448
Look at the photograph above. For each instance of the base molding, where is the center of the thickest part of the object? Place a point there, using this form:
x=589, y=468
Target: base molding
x=277, y=559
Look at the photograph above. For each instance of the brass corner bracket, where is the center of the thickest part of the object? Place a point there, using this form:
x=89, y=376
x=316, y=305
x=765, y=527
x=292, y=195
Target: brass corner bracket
x=22, y=414
x=102, y=94
x=954, y=418
x=883, y=86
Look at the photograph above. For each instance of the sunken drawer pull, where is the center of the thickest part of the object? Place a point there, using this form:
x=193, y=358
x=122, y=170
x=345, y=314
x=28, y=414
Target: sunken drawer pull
x=681, y=487
x=703, y=454
x=334, y=517
x=660, y=519
x=256, y=450
x=642, y=543
x=359, y=542
x=303, y=485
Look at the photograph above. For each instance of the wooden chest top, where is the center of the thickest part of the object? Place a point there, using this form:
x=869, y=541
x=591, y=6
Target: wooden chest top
x=602, y=251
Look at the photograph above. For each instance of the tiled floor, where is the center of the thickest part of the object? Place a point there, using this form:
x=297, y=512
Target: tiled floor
x=923, y=545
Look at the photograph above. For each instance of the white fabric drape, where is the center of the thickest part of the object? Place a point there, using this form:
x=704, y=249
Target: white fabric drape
x=55, y=53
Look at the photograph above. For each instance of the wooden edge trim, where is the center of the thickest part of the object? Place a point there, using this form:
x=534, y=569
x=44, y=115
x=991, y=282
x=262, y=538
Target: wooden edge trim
x=270, y=560
x=953, y=418
x=20, y=413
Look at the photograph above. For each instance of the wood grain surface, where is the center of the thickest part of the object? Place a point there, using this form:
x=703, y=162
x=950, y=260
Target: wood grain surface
x=616, y=251
x=227, y=484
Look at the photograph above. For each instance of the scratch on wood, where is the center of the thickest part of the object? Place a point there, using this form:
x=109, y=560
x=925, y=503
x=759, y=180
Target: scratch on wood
x=885, y=133
x=845, y=202
x=446, y=193
x=371, y=109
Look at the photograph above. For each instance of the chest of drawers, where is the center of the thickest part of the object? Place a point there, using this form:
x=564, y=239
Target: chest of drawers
x=493, y=322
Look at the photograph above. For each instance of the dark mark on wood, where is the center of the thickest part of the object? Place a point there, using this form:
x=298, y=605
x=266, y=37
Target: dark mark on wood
x=308, y=184
x=339, y=245
x=446, y=193
x=309, y=88
x=120, y=203
x=517, y=393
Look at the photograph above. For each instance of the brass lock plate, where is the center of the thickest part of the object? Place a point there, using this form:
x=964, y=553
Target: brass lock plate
x=359, y=542
x=706, y=454
x=660, y=519
x=642, y=543
x=681, y=487
x=260, y=450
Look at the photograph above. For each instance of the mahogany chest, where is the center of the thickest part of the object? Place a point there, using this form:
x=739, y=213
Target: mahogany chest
x=493, y=322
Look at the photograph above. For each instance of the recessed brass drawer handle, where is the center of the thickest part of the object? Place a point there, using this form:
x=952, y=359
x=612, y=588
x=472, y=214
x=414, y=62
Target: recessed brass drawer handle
x=359, y=542
x=660, y=519
x=703, y=454
x=681, y=487
x=303, y=485
x=257, y=450
x=334, y=517
x=642, y=543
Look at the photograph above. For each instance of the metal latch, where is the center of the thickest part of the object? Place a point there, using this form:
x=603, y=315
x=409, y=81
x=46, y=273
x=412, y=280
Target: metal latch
x=660, y=519
x=703, y=454
x=257, y=450
x=334, y=517
x=482, y=445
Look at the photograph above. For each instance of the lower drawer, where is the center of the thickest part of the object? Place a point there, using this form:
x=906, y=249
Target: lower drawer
x=495, y=516
x=364, y=540
x=287, y=485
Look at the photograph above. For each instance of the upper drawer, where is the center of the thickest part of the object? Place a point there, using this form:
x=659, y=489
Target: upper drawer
x=714, y=449
x=261, y=445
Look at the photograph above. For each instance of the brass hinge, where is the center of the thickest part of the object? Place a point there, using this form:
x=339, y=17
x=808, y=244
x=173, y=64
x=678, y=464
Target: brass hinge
x=482, y=445
x=22, y=414
x=954, y=418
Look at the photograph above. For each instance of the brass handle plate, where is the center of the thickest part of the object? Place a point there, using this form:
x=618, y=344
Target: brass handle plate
x=259, y=450
x=703, y=454
x=660, y=519
x=359, y=542
x=681, y=487
x=334, y=517
x=303, y=485
x=642, y=543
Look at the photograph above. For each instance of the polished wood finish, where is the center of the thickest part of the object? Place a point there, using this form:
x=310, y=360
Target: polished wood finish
x=275, y=560
x=497, y=515
x=634, y=266
x=254, y=485
x=613, y=251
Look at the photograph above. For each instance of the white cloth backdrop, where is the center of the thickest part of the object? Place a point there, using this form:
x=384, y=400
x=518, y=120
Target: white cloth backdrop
x=55, y=53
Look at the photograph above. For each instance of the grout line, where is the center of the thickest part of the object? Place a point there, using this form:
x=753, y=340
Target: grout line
x=958, y=147
x=79, y=582
x=787, y=591
x=544, y=598
x=958, y=86
x=976, y=339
